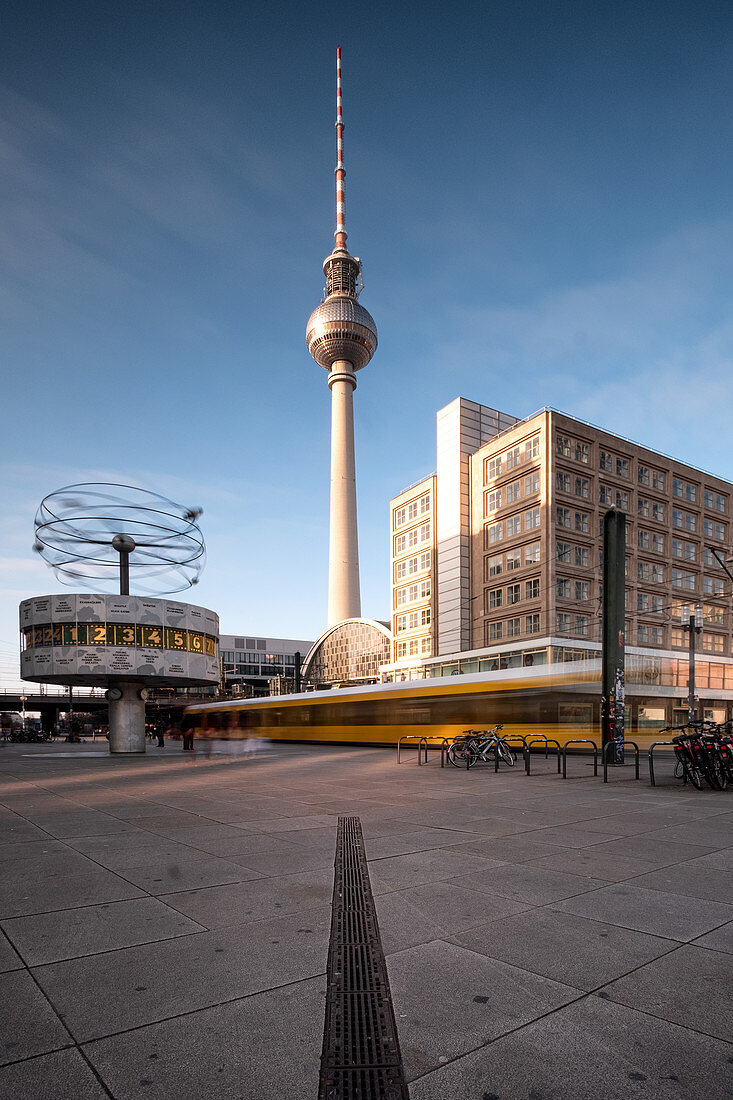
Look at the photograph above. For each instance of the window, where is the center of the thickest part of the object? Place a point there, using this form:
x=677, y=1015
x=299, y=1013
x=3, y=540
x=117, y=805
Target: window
x=400, y=517
x=513, y=458
x=495, y=566
x=581, y=624
x=642, y=506
x=714, y=530
x=400, y=570
x=400, y=650
x=605, y=494
x=642, y=539
x=562, y=516
x=513, y=627
x=642, y=634
x=606, y=461
x=642, y=601
x=714, y=643
x=425, y=616
x=412, y=510
x=532, y=483
x=513, y=559
x=412, y=593
x=658, y=543
x=495, y=532
x=425, y=560
x=513, y=526
x=414, y=620
x=562, y=446
x=531, y=553
x=562, y=482
x=563, y=551
x=582, y=453
x=512, y=593
x=400, y=543
x=494, y=632
x=495, y=467
x=412, y=537
x=532, y=623
x=512, y=493
x=677, y=487
x=708, y=498
x=562, y=588
x=424, y=504
x=401, y=596
x=425, y=646
x=412, y=644
x=400, y=623
x=678, y=638
x=493, y=501
x=532, y=589
x=713, y=614
x=622, y=467
x=413, y=565
x=642, y=475
x=531, y=519
x=681, y=579
x=582, y=522
x=495, y=597
x=563, y=622
x=713, y=586
x=582, y=487
x=424, y=532
x=622, y=500
x=658, y=512
x=719, y=503
x=643, y=570
x=532, y=448
x=657, y=574
x=425, y=587
x=582, y=590
x=658, y=481
x=582, y=556
x=657, y=603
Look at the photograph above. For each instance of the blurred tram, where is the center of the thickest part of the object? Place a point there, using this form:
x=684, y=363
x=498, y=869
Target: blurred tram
x=557, y=701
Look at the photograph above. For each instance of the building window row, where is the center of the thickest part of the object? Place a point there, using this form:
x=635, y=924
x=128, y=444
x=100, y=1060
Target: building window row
x=566, y=447
x=516, y=558
x=649, y=635
x=412, y=620
x=410, y=511
x=569, y=483
x=651, y=509
x=413, y=592
x=513, y=593
x=575, y=521
x=412, y=538
x=565, y=623
x=567, y=589
x=509, y=528
x=650, y=540
x=512, y=628
x=414, y=647
x=655, y=479
x=417, y=564
x=649, y=571
x=577, y=555
x=509, y=460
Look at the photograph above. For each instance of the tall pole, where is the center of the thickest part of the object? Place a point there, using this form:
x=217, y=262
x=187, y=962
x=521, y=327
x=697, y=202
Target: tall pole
x=614, y=627
x=693, y=629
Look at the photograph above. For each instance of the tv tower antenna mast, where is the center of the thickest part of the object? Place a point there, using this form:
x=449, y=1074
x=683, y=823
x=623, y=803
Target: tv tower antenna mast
x=342, y=338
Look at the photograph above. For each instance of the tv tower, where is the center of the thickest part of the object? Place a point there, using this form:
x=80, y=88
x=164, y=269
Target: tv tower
x=342, y=337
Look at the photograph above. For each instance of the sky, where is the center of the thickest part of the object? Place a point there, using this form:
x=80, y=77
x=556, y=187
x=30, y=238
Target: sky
x=541, y=194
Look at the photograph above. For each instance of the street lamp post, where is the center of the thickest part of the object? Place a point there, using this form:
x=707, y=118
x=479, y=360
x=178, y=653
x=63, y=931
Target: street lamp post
x=694, y=626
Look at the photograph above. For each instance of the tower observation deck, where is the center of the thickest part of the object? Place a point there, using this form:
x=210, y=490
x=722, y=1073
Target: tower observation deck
x=342, y=338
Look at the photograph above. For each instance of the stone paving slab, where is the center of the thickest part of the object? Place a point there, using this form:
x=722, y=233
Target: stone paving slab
x=176, y=925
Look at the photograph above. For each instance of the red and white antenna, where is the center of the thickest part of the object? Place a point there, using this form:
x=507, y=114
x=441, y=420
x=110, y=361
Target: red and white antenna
x=340, y=234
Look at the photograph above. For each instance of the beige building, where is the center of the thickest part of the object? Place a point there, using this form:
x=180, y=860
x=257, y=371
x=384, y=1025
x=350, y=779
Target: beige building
x=497, y=557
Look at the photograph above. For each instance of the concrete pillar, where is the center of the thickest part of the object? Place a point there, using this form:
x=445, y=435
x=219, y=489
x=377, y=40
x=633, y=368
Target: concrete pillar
x=344, y=597
x=126, y=719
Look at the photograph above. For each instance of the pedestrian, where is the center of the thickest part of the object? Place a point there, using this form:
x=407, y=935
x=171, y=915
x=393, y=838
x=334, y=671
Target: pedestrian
x=187, y=729
x=160, y=730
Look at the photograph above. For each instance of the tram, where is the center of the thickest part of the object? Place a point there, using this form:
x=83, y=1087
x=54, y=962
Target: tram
x=561, y=702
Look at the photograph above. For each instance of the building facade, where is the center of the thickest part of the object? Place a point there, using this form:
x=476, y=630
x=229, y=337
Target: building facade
x=514, y=565
x=249, y=664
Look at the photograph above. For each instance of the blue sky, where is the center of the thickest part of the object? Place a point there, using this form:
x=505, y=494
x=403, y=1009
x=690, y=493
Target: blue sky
x=540, y=192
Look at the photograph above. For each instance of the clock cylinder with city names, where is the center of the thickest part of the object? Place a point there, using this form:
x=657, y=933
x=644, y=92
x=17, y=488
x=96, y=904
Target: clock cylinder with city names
x=86, y=639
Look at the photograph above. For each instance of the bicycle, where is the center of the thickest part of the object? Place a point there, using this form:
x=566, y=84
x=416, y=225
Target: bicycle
x=695, y=757
x=478, y=745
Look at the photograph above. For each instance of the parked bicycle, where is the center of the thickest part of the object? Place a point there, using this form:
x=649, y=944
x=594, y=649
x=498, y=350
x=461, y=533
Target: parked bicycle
x=485, y=745
x=704, y=753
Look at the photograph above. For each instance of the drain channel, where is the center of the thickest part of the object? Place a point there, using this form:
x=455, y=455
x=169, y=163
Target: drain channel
x=361, y=1055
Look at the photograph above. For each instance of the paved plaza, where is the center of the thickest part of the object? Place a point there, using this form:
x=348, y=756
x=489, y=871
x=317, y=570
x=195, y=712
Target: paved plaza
x=165, y=924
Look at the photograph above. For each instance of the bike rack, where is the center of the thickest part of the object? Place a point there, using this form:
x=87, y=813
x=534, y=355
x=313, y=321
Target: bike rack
x=579, y=741
x=657, y=745
x=547, y=741
x=421, y=741
x=612, y=745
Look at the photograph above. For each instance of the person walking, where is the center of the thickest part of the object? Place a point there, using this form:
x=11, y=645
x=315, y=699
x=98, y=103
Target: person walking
x=160, y=730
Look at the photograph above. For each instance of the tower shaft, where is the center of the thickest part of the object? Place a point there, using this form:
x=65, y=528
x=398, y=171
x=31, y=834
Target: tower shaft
x=344, y=598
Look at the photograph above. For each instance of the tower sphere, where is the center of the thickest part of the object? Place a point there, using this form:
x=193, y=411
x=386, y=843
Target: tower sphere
x=341, y=329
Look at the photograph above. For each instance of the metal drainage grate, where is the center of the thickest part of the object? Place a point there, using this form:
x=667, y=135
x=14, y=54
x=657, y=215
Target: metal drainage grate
x=361, y=1055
